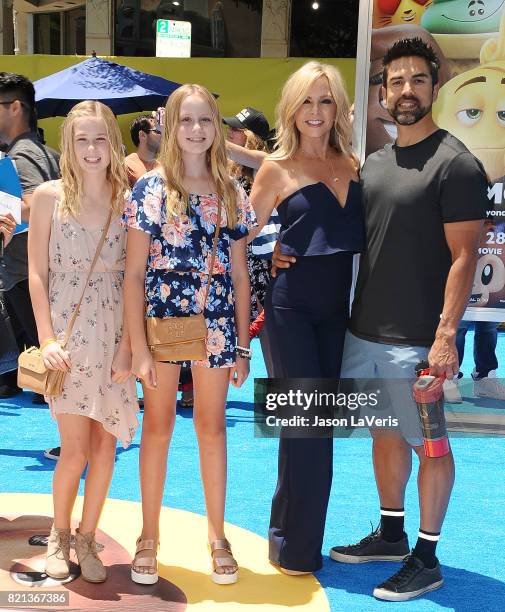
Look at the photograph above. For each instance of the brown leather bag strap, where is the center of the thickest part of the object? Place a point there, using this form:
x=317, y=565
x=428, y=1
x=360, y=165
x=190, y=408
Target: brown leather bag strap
x=93, y=263
x=214, y=249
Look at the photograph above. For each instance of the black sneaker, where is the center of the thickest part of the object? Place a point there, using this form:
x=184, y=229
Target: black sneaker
x=372, y=548
x=412, y=580
x=52, y=453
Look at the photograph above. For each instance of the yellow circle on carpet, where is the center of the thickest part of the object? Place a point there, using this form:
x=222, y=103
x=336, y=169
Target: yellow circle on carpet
x=183, y=561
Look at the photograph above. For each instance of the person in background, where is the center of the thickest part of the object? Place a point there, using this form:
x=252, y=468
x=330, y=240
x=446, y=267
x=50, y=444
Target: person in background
x=35, y=164
x=485, y=383
x=7, y=227
x=248, y=120
x=146, y=136
x=249, y=129
x=8, y=347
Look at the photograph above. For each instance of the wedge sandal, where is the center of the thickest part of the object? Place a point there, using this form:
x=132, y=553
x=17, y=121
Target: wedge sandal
x=222, y=558
x=146, y=561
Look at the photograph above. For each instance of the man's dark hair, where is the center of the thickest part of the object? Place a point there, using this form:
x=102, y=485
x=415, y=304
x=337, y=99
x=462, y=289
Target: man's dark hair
x=18, y=87
x=411, y=47
x=140, y=124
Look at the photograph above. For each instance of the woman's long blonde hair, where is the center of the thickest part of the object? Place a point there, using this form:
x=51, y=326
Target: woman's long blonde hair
x=71, y=174
x=172, y=165
x=294, y=93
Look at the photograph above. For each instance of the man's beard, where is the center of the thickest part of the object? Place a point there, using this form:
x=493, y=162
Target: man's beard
x=409, y=117
x=153, y=148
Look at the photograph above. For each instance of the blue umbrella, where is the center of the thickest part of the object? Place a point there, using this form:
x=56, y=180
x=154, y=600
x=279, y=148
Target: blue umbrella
x=123, y=89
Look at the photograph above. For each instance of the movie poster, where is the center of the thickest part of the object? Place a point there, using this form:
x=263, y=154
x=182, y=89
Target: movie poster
x=469, y=38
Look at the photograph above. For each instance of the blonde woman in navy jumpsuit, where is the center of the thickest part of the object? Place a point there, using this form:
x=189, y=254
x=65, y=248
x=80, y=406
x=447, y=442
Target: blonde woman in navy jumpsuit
x=311, y=179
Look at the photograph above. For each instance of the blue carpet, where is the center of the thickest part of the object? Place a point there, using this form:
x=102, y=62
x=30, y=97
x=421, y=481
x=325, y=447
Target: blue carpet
x=471, y=547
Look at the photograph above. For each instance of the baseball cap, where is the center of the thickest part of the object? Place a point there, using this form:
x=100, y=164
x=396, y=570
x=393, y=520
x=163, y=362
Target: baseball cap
x=250, y=119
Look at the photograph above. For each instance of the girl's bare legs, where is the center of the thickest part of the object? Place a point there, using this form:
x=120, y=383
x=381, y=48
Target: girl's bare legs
x=75, y=445
x=74, y=441
x=210, y=389
x=157, y=428
x=102, y=453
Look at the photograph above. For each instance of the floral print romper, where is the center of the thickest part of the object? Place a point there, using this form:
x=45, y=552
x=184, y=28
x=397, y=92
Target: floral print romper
x=179, y=259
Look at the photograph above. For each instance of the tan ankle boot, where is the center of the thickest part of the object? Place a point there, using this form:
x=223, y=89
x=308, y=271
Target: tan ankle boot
x=58, y=553
x=92, y=569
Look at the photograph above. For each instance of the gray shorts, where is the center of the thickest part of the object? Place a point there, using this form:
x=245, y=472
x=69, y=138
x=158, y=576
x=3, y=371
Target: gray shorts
x=372, y=360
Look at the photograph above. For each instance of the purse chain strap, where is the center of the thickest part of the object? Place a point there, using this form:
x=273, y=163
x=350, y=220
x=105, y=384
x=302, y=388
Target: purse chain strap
x=93, y=263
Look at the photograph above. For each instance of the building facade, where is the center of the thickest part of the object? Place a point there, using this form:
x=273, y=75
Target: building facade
x=220, y=28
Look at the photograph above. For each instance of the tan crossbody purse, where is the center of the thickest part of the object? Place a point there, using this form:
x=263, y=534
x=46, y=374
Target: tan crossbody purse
x=32, y=373
x=182, y=338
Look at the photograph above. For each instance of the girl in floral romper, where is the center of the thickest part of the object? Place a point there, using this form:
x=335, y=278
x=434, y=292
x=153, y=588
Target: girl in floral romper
x=171, y=221
x=98, y=405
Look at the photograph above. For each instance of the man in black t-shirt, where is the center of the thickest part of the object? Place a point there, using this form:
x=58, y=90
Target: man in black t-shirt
x=425, y=201
x=35, y=164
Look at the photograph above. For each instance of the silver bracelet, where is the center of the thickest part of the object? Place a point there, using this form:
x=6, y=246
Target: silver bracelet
x=244, y=352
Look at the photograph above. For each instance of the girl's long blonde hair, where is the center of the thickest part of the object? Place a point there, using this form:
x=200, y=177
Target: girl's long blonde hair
x=172, y=165
x=71, y=174
x=294, y=93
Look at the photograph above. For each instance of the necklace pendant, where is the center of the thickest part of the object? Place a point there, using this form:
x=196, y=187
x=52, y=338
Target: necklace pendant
x=335, y=180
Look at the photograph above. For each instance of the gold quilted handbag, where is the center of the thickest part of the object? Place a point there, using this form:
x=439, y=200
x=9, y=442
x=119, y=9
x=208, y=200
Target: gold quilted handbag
x=182, y=338
x=33, y=374
x=177, y=338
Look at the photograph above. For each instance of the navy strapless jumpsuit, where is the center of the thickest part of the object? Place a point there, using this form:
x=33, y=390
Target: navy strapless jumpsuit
x=306, y=313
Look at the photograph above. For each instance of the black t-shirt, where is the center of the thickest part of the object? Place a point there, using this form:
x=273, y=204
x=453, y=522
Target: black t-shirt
x=35, y=164
x=408, y=195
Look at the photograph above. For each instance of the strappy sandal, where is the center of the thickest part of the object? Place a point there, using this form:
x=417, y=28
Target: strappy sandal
x=146, y=561
x=222, y=561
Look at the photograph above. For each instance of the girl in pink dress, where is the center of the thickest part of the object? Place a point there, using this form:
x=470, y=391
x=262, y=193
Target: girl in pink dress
x=98, y=405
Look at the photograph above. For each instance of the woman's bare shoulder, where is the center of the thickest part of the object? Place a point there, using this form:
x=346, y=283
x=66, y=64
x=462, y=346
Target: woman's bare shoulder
x=272, y=170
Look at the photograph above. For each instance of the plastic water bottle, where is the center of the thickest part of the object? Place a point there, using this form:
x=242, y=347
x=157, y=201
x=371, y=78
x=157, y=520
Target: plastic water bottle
x=428, y=394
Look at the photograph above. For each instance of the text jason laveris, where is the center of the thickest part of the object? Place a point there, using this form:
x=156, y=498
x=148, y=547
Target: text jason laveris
x=318, y=421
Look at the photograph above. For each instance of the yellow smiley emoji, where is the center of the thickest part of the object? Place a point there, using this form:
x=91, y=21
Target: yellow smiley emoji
x=471, y=106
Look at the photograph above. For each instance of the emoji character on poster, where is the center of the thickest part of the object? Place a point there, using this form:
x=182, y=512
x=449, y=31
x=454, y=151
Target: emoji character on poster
x=472, y=107
x=398, y=12
x=462, y=26
x=489, y=278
